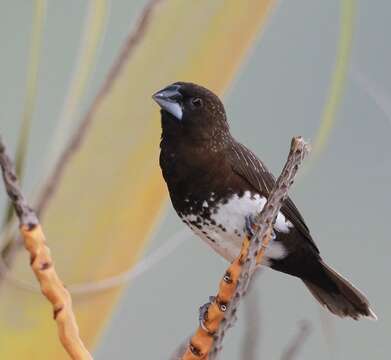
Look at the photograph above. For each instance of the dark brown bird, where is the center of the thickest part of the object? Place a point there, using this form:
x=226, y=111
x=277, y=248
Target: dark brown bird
x=216, y=185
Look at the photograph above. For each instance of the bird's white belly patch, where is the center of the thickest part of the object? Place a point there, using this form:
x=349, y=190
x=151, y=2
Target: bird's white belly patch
x=224, y=228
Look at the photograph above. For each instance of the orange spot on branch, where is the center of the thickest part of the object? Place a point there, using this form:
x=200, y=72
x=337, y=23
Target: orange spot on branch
x=42, y=264
x=220, y=314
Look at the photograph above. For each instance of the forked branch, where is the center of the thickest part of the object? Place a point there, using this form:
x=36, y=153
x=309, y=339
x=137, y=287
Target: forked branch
x=42, y=263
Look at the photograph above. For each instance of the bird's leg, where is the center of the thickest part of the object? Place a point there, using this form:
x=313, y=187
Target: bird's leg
x=250, y=225
x=204, y=311
x=251, y=228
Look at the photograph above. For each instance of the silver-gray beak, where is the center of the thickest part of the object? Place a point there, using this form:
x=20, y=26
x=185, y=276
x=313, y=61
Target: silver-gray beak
x=170, y=100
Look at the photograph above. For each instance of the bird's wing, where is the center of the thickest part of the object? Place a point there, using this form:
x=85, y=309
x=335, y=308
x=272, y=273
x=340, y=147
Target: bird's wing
x=248, y=166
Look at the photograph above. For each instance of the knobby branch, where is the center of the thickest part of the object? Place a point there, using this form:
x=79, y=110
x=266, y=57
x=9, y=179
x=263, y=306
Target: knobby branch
x=42, y=263
x=217, y=316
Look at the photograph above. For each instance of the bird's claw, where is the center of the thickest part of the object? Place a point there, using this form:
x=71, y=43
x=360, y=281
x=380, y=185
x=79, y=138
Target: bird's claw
x=203, y=312
x=250, y=225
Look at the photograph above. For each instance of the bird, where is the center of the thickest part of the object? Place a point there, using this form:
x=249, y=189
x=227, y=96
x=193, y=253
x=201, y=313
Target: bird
x=217, y=186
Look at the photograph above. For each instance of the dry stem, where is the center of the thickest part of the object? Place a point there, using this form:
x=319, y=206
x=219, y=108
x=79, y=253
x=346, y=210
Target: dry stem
x=220, y=314
x=132, y=41
x=42, y=263
x=54, y=178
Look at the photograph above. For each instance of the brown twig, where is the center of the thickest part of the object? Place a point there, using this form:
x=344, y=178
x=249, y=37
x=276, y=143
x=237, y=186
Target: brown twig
x=297, y=342
x=219, y=315
x=132, y=41
x=49, y=188
x=42, y=263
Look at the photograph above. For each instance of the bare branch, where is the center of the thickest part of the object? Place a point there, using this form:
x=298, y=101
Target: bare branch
x=219, y=315
x=10, y=249
x=42, y=263
x=132, y=41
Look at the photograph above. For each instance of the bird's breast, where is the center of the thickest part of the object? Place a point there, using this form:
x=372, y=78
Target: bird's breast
x=221, y=221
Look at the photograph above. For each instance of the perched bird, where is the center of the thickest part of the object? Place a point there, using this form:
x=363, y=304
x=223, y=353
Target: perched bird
x=216, y=185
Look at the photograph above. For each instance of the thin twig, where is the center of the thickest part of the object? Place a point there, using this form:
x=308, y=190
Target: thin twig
x=219, y=315
x=34, y=60
x=33, y=64
x=75, y=142
x=93, y=287
x=297, y=342
x=9, y=249
x=42, y=263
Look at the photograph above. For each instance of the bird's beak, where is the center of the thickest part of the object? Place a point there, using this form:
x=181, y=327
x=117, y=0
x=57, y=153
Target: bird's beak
x=170, y=100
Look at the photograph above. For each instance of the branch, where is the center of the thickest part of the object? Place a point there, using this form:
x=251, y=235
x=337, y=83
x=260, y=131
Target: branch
x=42, y=263
x=9, y=250
x=75, y=142
x=219, y=315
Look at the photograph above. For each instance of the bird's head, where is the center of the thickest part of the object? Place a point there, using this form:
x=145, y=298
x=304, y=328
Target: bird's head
x=191, y=110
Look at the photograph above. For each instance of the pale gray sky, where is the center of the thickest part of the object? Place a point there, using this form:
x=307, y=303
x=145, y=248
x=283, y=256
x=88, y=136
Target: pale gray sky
x=280, y=92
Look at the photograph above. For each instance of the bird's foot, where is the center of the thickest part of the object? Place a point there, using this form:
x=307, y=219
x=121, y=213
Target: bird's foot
x=203, y=313
x=250, y=225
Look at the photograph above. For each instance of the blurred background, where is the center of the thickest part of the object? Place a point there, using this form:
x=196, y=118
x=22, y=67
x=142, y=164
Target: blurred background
x=86, y=70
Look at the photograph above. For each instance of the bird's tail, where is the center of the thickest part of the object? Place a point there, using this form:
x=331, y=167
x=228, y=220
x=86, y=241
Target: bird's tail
x=338, y=294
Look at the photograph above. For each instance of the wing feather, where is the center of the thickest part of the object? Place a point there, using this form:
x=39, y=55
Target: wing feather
x=247, y=165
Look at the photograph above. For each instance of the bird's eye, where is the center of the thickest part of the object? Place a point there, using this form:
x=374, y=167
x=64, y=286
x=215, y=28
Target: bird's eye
x=196, y=102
